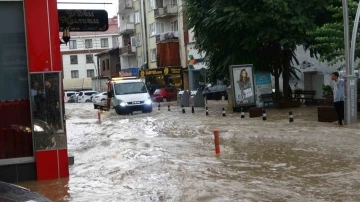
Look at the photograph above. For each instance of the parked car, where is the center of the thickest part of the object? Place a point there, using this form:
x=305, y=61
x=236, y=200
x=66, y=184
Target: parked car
x=68, y=94
x=164, y=94
x=85, y=96
x=12, y=192
x=216, y=92
x=99, y=100
x=73, y=98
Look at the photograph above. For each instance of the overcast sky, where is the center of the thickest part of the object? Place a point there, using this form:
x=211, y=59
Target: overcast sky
x=110, y=8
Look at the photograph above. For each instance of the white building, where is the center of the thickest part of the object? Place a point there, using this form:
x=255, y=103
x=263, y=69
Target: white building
x=78, y=57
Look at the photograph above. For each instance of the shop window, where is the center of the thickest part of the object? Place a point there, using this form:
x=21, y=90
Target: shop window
x=74, y=74
x=15, y=108
x=73, y=59
x=89, y=59
x=88, y=43
x=48, y=111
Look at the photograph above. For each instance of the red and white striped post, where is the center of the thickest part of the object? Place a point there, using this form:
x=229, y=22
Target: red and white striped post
x=217, y=141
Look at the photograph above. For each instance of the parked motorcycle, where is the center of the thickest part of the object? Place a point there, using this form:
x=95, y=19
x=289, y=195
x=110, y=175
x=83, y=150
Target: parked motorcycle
x=44, y=135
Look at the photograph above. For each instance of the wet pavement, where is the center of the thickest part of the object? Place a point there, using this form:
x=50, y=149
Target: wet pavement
x=169, y=156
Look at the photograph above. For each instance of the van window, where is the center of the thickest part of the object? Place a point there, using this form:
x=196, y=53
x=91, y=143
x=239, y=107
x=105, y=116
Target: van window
x=70, y=94
x=81, y=93
x=89, y=93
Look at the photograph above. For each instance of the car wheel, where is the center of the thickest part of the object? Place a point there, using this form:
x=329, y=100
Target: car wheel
x=118, y=111
x=164, y=99
x=103, y=100
x=88, y=101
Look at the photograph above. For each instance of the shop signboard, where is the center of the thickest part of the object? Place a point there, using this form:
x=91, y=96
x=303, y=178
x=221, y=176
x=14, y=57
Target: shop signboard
x=243, y=88
x=160, y=71
x=83, y=20
x=263, y=85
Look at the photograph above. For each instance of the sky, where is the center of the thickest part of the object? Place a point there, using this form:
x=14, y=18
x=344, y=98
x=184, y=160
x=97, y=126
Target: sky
x=110, y=8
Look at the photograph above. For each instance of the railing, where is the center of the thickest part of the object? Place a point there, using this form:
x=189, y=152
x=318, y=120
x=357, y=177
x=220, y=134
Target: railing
x=125, y=4
x=127, y=50
x=167, y=11
x=126, y=27
x=167, y=36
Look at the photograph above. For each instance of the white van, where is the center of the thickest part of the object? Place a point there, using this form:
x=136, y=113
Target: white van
x=85, y=96
x=128, y=95
x=68, y=94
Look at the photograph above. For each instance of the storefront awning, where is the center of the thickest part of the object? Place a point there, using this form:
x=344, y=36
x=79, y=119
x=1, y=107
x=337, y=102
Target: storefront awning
x=77, y=84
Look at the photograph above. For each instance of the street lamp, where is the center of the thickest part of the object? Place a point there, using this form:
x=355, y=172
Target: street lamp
x=350, y=78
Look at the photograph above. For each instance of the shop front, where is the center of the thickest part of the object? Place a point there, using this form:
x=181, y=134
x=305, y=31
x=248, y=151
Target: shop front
x=161, y=77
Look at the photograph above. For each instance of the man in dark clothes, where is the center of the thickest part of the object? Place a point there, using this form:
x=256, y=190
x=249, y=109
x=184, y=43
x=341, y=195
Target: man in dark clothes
x=40, y=106
x=52, y=105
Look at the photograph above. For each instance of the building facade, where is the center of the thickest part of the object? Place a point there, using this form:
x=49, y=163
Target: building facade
x=78, y=57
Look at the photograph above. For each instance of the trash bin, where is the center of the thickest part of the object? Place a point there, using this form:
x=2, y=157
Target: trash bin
x=179, y=96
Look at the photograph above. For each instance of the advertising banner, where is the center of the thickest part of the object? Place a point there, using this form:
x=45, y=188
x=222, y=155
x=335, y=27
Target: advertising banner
x=263, y=86
x=242, y=79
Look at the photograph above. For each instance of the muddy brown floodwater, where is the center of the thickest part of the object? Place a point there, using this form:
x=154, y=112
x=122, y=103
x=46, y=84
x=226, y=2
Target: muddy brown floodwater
x=169, y=156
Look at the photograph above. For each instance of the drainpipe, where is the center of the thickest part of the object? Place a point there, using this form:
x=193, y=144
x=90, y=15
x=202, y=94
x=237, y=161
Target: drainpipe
x=144, y=35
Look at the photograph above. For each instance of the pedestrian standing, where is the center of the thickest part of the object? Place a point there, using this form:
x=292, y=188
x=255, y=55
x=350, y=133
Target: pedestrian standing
x=339, y=96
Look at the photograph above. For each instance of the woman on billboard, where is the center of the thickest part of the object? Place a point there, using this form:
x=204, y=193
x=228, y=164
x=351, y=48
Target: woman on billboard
x=245, y=86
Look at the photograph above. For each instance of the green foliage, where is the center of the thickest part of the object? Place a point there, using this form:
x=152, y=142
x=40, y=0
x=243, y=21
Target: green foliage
x=257, y=32
x=327, y=91
x=329, y=38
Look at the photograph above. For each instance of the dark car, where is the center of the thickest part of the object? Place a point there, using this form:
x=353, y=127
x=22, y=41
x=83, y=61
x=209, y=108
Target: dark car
x=216, y=92
x=11, y=192
x=164, y=94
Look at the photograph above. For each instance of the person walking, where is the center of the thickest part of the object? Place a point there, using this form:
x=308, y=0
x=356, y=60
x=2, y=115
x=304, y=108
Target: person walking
x=339, y=96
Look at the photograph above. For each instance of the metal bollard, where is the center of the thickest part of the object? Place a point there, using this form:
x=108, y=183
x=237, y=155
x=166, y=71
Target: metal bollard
x=217, y=141
x=223, y=112
x=159, y=106
x=168, y=107
x=183, y=111
x=207, y=111
x=242, y=113
x=264, y=114
x=99, y=116
x=291, y=117
x=192, y=110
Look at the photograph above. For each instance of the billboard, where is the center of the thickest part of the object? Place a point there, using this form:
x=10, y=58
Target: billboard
x=263, y=85
x=243, y=86
x=83, y=20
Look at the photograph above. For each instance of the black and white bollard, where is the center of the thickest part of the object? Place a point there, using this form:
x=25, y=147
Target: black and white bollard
x=242, y=113
x=223, y=112
x=207, y=111
x=192, y=110
x=291, y=117
x=183, y=110
x=159, y=106
x=168, y=107
x=264, y=114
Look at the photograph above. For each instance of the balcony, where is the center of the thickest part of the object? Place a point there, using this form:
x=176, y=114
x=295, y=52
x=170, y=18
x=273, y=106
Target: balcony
x=128, y=51
x=167, y=37
x=125, y=6
x=166, y=12
x=126, y=28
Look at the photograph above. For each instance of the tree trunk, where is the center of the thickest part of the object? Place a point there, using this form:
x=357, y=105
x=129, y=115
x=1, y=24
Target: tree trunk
x=286, y=73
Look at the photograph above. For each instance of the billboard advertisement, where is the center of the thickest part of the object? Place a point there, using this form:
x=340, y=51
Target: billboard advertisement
x=243, y=85
x=263, y=85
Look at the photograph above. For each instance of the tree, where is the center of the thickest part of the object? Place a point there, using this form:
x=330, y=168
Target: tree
x=329, y=38
x=262, y=32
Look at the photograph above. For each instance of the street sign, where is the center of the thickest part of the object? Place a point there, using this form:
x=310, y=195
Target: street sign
x=83, y=20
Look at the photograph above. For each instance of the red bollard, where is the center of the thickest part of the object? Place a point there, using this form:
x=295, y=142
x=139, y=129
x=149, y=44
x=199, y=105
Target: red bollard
x=217, y=141
x=99, y=117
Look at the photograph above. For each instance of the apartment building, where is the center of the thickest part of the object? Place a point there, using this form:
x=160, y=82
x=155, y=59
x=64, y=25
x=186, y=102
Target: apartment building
x=78, y=57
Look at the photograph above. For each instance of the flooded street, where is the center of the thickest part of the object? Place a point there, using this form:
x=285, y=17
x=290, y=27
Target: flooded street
x=169, y=156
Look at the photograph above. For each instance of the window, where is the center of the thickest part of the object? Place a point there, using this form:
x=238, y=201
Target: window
x=138, y=39
x=156, y=28
x=174, y=26
x=108, y=64
x=152, y=4
x=72, y=44
x=90, y=73
x=89, y=59
x=139, y=61
x=133, y=41
x=74, y=74
x=104, y=43
x=153, y=54
x=173, y=2
x=73, y=59
x=137, y=17
x=103, y=65
x=88, y=43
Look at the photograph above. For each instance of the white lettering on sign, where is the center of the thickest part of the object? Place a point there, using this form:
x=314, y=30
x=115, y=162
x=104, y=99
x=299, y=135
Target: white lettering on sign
x=248, y=92
x=352, y=101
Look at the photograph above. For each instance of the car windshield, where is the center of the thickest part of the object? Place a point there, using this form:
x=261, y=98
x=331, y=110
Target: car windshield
x=129, y=88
